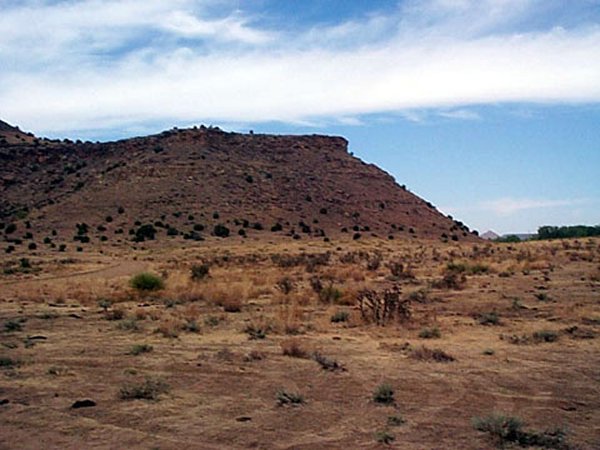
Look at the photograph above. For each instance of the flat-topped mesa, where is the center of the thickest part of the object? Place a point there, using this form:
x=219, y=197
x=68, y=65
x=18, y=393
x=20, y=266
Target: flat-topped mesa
x=217, y=139
x=192, y=184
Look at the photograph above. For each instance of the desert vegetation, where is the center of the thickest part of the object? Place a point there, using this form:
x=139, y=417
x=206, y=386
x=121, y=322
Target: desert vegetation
x=347, y=343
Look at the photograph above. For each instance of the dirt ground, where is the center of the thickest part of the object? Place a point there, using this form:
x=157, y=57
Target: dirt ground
x=484, y=329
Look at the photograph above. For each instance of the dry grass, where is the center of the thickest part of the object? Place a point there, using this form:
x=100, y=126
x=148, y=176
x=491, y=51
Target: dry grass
x=225, y=368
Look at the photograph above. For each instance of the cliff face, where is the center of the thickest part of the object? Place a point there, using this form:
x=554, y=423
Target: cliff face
x=185, y=182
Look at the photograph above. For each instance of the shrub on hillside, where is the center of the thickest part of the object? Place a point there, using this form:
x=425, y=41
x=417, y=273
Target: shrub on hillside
x=200, y=271
x=221, y=231
x=147, y=281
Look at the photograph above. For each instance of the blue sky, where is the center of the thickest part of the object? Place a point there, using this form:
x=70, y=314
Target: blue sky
x=490, y=109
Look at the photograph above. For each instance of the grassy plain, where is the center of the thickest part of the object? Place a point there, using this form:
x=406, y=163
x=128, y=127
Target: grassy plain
x=266, y=346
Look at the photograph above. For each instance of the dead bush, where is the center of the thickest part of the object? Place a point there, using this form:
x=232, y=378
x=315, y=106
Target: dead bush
x=383, y=307
x=451, y=280
x=294, y=348
x=399, y=271
x=427, y=354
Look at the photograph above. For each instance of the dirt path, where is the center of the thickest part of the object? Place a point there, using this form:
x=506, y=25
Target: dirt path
x=120, y=269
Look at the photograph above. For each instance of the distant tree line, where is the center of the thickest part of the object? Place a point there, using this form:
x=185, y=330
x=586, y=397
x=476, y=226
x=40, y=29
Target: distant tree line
x=511, y=238
x=576, y=231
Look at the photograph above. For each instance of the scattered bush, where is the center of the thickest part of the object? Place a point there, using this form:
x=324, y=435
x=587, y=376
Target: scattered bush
x=384, y=394
x=430, y=333
x=104, y=304
x=256, y=332
x=128, y=325
x=6, y=361
x=191, y=326
x=340, y=316
x=13, y=325
x=489, y=318
x=451, y=280
x=545, y=336
x=149, y=389
x=114, y=314
x=231, y=304
x=138, y=349
x=395, y=421
x=384, y=437
x=327, y=363
x=145, y=232
x=381, y=307
x=427, y=354
x=147, y=281
x=285, y=285
x=289, y=398
x=211, y=321
x=399, y=271
x=200, y=271
x=169, y=328
x=221, y=231
x=294, y=348
x=330, y=294
x=504, y=430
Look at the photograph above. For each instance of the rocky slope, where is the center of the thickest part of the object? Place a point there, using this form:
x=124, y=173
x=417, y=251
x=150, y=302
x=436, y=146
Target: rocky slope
x=201, y=182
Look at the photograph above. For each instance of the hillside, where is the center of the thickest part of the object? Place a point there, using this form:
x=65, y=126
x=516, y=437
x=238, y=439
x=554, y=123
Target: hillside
x=181, y=184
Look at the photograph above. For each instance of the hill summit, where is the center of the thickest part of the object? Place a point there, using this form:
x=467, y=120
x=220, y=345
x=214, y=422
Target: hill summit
x=199, y=183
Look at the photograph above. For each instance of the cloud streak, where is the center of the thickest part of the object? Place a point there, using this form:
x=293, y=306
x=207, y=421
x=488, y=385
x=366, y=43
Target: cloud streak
x=508, y=206
x=102, y=65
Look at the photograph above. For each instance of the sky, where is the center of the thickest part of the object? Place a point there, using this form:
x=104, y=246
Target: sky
x=489, y=109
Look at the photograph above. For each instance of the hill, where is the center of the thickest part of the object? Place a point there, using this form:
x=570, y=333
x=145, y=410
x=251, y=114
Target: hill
x=194, y=183
x=490, y=235
x=13, y=135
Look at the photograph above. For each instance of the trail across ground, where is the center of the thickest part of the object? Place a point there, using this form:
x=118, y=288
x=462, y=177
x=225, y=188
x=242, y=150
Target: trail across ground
x=120, y=269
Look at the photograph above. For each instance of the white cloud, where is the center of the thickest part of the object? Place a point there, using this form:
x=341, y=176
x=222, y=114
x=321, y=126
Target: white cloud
x=460, y=114
x=508, y=206
x=97, y=64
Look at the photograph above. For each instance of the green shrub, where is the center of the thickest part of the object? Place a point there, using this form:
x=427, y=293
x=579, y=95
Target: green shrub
x=145, y=232
x=330, y=294
x=545, y=336
x=13, y=325
x=508, y=430
x=128, y=325
x=501, y=428
x=384, y=394
x=6, y=361
x=138, y=349
x=490, y=318
x=384, y=437
x=147, y=281
x=395, y=421
x=430, y=333
x=221, y=231
x=340, y=316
